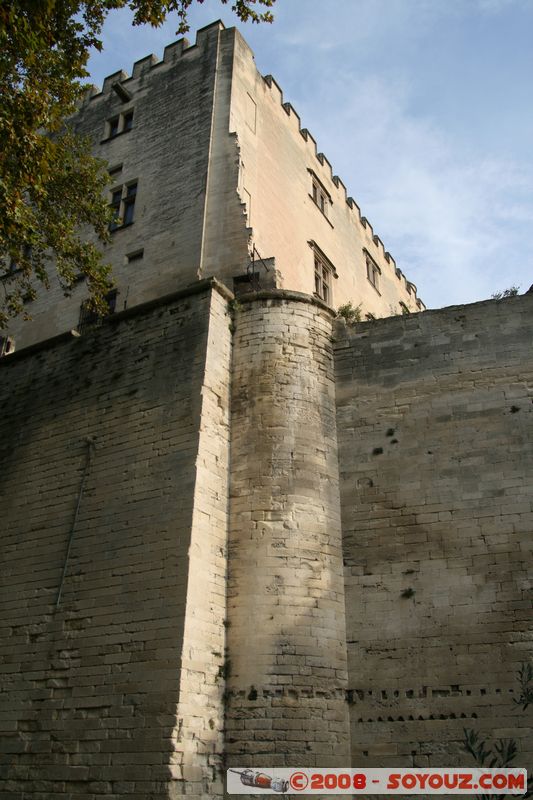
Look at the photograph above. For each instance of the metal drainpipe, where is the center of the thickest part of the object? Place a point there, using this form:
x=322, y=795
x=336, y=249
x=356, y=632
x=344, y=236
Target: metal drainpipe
x=88, y=457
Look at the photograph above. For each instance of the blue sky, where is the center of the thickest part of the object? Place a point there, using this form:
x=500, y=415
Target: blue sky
x=423, y=107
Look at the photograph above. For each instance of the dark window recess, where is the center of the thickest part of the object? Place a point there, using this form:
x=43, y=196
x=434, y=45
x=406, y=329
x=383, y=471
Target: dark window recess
x=89, y=318
x=373, y=272
x=320, y=198
x=111, y=300
x=116, y=199
x=136, y=256
x=127, y=124
x=113, y=126
x=7, y=345
x=129, y=204
x=322, y=279
x=115, y=170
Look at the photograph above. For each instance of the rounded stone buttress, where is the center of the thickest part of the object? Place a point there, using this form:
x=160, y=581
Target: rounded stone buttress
x=286, y=637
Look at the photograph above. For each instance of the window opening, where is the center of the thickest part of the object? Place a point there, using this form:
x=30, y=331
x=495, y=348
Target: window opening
x=89, y=318
x=113, y=127
x=373, y=272
x=322, y=279
x=128, y=121
x=116, y=199
x=123, y=205
x=129, y=203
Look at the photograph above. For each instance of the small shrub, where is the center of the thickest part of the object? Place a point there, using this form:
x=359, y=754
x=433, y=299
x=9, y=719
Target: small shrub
x=512, y=291
x=525, y=678
x=351, y=314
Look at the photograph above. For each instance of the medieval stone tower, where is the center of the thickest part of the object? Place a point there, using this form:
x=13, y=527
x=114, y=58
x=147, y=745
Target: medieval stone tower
x=235, y=530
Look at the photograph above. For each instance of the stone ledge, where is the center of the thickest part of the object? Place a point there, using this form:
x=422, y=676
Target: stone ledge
x=288, y=295
x=196, y=288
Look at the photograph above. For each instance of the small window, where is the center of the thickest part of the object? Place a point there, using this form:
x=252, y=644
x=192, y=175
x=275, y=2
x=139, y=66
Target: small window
x=404, y=308
x=123, y=205
x=129, y=203
x=7, y=345
x=319, y=194
x=322, y=279
x=122, y=123
x=128, y=121
x=89, y=318
x=116, y=199
x=135, y=256
x=115, y=170
x=111, y=300
x=373, y=272
x=113, y=127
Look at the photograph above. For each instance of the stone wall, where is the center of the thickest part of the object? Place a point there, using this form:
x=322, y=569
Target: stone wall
x=279, y=160
x=190, y=602
x=220, y=163
x=286, y=684
x=95, y=701
x=435, y=422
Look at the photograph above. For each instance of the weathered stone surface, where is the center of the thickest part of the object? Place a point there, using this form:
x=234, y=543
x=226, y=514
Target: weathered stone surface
x=286, y=635
x=297, y=543
x=221, y=170
x=119, y=684
x=164, y=639
x=434, y=419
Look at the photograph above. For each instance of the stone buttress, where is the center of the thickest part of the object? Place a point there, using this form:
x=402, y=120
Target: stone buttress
x=286, y=668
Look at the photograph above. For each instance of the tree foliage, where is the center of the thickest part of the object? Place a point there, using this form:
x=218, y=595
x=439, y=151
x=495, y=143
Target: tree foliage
x=51, y=187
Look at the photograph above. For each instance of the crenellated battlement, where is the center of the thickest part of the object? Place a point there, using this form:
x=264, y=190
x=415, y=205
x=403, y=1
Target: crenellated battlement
x=145, y=66
x=339, y=185
x=142, y=87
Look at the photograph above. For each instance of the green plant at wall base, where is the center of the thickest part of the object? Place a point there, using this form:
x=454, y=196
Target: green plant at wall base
x=495, y=755
x=349, y=313
x=502, y=752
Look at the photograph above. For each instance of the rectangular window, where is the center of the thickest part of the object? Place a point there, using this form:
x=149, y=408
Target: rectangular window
x=89, y=318
x=123, y=205
x=135, y=256
x=372, y=272
x=111, y=300
x=116, y=199
x=404, y=308
x=319, y=194
x=322, y=279
x=7, y=345
x=127, y=121
x=129, y=203
x=122, y=123
x=115, y=170
x=320, y=197
x=113, y=127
